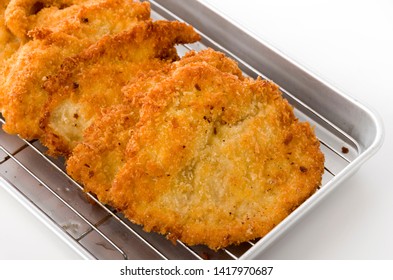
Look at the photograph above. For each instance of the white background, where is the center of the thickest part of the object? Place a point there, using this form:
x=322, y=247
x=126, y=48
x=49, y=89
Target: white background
x=349, y=44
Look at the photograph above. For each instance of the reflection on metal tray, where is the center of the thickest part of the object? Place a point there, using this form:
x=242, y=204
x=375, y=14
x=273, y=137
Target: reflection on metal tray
x=98, y=232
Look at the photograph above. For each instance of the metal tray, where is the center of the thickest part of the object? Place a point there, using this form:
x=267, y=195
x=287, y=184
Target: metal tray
x=349, y=133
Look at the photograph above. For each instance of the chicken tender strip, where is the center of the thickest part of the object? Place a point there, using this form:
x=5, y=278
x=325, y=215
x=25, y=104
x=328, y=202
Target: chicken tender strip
x=27, y=70
x=93, y=79
x=98, y=158
x=215, y=160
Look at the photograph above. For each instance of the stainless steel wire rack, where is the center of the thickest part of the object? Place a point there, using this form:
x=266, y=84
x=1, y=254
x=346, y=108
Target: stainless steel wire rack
x=98, y=232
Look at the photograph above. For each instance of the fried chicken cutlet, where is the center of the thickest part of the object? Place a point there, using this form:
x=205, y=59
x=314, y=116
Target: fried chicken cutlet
x=27, y=70
x=93, y=80
x=97, y=159
x=211, y=159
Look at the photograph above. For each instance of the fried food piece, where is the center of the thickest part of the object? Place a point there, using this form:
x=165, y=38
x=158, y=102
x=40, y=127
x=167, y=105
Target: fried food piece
x=75, y=100
x=27, y=70
x=215, y=160
x=212, y=159
x=98, y=158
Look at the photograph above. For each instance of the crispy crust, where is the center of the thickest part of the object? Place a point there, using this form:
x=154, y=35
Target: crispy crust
x=97, y=160
x=212, y=58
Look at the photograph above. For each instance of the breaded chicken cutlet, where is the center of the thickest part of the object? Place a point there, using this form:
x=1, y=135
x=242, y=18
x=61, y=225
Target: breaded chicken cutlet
x=97, y=159
x=114, y=61
x=27, y=70
x=209, y=159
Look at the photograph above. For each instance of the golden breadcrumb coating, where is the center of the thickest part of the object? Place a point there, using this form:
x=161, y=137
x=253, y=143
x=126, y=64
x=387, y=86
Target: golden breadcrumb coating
x=97, y=160
x=114, y=61
x=27, y=70
x=212, y=159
